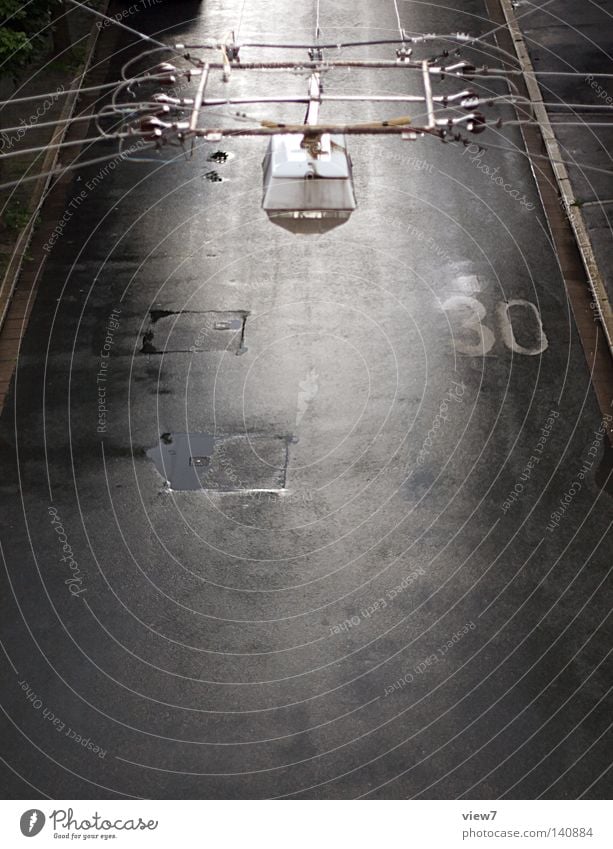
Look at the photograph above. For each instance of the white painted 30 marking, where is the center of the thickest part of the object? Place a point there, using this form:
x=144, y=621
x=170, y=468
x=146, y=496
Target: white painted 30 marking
x=471, y=312
x=508, y=335
x=479, y=339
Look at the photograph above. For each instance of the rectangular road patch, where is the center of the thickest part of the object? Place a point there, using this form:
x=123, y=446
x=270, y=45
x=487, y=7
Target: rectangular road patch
x=201, y=461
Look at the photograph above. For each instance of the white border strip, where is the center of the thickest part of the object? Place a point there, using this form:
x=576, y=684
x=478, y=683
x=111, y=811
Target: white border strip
x=304, y=824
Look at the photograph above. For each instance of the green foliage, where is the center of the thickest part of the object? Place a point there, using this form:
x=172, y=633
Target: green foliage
x=70, y=62
x=23, y=32
x=15, y=216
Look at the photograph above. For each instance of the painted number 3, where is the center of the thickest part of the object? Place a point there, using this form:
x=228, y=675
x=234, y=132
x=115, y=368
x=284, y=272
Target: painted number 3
x=474, y=339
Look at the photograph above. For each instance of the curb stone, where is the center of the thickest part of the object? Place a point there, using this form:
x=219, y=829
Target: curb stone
x=574, y=214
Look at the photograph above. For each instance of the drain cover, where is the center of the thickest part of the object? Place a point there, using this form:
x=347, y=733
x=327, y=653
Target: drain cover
x=201, y=461
x=192, y=332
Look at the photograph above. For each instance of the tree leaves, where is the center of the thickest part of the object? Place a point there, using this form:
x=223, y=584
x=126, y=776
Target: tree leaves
x=23, y=31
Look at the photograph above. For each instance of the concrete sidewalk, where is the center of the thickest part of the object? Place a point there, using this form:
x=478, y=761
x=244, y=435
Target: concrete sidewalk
x=563, y=35
x=26, y=124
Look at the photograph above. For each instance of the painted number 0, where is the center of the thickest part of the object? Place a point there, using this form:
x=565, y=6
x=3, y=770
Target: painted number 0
x=472, y=312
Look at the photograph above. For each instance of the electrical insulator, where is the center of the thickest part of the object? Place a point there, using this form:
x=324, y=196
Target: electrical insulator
x=464, y=69
x=152, y=128
x=162, y=111
x=470, y=100
x=476, y=124
x=165, y=98
x=167, y=73
x=172, y=101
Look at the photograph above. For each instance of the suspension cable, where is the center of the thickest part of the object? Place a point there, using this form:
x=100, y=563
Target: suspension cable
x=59, y=171
x=116, y=22
x=58, y=93
x=240, y=19
x=317, y=20
x=531, y=156
x=400, y=29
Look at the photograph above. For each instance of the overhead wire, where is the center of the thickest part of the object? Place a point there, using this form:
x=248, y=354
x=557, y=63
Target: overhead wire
x=87, y=89
x=61, y=145
x=142, y=107
x=61, y=170
x=137, y=108
x=465, y=142
x=564, y=74
x=27, y=43
x=140, y=58
x=534, y=122
x=240, y=20
x=400, y=29
x=114, y=84
x=530, y=156
x=75, y=119
x=116, y=22
x=19, y=11
x=58, y=93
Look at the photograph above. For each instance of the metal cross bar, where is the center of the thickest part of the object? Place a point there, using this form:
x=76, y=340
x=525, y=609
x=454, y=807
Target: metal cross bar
x=198, y=100
x=312, y=115
x=328, y=64
x=314, y=129
x=237, y=101
x=439, y=99
x=428, y=93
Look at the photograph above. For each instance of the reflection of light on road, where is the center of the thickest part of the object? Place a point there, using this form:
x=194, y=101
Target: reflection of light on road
x=467, y=283
x=309, y=388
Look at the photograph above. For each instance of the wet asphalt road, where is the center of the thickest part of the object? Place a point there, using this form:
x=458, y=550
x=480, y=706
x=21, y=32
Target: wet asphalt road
x=396, y=580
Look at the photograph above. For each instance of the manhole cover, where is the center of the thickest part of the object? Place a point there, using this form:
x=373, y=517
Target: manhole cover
x=200, y=461
x=193, y=332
